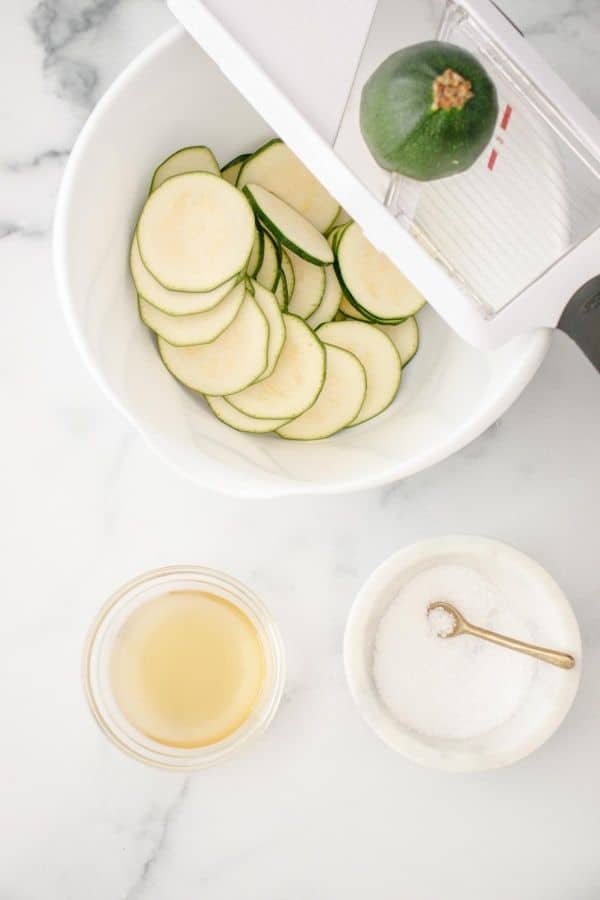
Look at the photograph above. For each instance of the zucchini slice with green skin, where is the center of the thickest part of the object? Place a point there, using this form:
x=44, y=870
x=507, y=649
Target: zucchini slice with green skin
x=351, y=312
x=405, y=338
x=296, y=380
x=281, y=291
x=334, y=236
x=342, y=218
x=378, y=356
x=278, y=169
x=231, y=170
x=174, y=303
x=288, y=271
x=289, y=227
x=229, y=363
x=256, y=254
x=231, y=416
x=268, y=273
x=268, y=305
x=330, y=302
x=188, y=159
x=372, y=283
x=309, y=287
x=198, y=328
x=337, y=405
x=195, y=232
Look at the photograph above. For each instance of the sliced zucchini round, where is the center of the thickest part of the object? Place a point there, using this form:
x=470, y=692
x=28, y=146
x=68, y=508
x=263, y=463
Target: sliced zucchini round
x=334, y=236
x=198, y=328
x=296, y=381
x=405, y=338
x=290, y=228
x=281, y=291
x=354, y=312
x=268, y=273
x=339, y=402
x=378, y=356
x=278, y=169
x=231, y=416
x=351, y=312
x=256, y=254
x=195, y=232
x=268, y=305
x=188, y=159
x=330, y=302
x=309, y=287
x=342, y=218
x=371, y=281
x=175, y=303
x=229, y=363
x=288, y=271
x=231, y=170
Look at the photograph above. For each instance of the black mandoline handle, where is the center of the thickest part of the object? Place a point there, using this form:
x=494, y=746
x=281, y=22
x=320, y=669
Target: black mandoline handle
x=581, y=319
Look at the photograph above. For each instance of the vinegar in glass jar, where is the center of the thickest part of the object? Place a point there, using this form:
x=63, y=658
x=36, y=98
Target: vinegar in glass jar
x=187, y=668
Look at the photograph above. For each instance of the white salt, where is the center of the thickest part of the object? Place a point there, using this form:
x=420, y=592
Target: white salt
x=458, y=687
x=442, y=621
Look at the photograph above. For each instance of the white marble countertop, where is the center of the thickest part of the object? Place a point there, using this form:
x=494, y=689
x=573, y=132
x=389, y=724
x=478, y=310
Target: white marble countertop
x=318, y=808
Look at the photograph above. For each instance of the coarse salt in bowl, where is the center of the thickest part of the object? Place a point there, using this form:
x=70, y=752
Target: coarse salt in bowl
x=460, y=703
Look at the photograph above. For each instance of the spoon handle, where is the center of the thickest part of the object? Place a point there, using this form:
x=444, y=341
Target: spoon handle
x=554, y=657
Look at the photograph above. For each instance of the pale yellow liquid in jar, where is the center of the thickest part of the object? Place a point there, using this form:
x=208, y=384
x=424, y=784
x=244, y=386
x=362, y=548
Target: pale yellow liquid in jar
x=187, y=668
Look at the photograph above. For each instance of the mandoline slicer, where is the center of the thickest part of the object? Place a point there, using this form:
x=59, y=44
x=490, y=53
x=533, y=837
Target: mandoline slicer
x=509, y=245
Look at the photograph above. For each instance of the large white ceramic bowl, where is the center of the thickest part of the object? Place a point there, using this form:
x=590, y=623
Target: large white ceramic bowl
x=170, y=96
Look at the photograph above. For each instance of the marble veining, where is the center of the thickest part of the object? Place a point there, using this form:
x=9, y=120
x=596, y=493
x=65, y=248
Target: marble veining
x=160, y=820
x=55, y=25
x=317, y=808
x=38, y=160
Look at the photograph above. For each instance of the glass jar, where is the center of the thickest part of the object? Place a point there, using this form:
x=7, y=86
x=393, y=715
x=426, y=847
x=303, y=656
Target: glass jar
x=98, y=652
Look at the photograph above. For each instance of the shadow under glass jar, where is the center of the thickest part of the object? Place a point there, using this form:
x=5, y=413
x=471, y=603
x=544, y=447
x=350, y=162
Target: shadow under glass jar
x=100, y=645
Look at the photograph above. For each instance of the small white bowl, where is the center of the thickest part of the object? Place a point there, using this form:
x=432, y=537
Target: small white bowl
x=171, y=96
x=551, y=692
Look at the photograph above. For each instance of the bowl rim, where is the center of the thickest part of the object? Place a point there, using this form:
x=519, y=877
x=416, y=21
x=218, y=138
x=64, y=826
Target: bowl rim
x=535, y=349
x=399, y=737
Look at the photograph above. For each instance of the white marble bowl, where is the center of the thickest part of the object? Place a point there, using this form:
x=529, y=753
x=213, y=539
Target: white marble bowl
x=173, y=95
x=549, y=621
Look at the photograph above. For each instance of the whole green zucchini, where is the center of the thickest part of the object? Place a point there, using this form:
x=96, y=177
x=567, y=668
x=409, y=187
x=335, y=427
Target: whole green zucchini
x=428, y=111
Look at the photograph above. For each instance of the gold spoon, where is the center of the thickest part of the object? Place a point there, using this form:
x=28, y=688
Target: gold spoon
x=462, y=626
